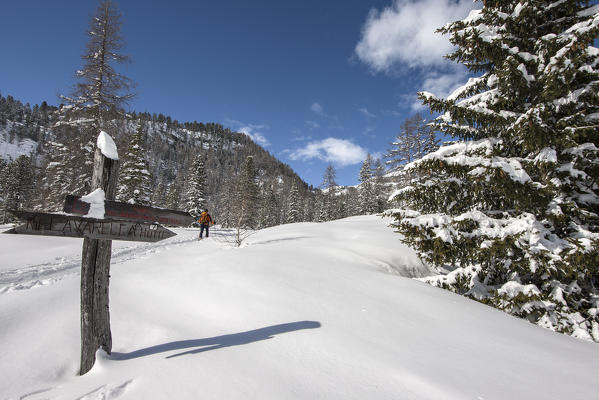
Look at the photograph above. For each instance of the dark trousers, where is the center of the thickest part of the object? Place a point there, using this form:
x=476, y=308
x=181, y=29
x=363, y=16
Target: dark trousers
x=202, y=227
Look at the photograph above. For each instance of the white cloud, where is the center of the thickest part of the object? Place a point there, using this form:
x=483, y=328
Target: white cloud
x=441, y=84
x=255, y=136
x=317, y=109
x=404, y=33
x=252, y=130
x=339, y=151
x=396, y=113
x=368, y=131
x=301, y=138
x=367, y=113
x=312, y=125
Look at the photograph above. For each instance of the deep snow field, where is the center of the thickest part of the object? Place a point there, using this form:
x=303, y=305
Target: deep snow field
x=300, y=311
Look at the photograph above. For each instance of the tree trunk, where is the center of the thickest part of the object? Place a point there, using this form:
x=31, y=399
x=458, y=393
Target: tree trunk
x=95, y=274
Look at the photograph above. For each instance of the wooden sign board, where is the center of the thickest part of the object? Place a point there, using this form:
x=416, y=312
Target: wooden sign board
x=79, y=227
x=130, y=212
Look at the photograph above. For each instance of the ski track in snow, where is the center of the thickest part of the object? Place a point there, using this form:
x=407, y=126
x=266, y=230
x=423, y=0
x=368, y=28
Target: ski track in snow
x=47, y=273
x=106, y=392
x=54, y=271
x=28, y=395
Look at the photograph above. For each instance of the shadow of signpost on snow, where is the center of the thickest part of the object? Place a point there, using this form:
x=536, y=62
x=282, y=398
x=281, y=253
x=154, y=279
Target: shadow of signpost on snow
x=217, y=342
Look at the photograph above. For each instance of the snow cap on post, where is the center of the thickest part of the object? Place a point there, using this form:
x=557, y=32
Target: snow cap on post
x=107, y=146
x=96, y=202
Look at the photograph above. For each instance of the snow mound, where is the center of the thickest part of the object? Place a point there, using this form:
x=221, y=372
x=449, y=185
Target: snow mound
x=300, y=311
x=96, y=201
x=107, y=146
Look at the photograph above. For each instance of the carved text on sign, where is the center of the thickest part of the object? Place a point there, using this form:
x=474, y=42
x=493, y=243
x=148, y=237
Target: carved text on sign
x=130, y=212
x=79, y=227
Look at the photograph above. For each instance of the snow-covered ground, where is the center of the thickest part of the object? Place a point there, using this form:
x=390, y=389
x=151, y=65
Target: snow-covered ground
x=301, y=311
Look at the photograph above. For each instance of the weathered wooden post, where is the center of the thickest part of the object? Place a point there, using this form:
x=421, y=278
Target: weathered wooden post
x=95, y=264
x=99, y=219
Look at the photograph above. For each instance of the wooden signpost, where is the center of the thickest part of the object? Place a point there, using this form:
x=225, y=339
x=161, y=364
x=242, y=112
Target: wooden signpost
x=36, y=223
x=95, y=270
x=122, y=221
x=130, y=212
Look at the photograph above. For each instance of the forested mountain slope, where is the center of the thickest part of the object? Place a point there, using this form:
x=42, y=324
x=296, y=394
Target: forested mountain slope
x=169, y=150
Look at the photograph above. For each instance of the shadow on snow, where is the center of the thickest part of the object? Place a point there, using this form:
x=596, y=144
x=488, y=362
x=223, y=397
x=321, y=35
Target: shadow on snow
x=279, y=240
x=217, y=342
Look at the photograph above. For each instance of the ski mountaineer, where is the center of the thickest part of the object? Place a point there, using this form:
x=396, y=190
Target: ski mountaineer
x=205, y=221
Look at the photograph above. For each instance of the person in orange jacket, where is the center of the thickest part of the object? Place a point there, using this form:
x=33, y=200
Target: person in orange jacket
x=205, y=221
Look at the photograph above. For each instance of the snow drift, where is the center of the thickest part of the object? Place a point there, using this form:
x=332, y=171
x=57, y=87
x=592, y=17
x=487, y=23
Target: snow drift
x=301, y=311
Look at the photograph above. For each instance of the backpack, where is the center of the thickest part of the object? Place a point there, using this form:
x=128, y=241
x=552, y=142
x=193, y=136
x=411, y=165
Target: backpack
x=204, y=218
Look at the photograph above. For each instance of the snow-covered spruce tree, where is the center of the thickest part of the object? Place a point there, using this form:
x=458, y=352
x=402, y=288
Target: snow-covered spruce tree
x=158, y=197
x=3, y=177
x=135, y=181
x=309, y=207
x=378, y=185
x=513, y=209
x=294, y=205
x=24, y=177
x=354, y=206
x=329, y=197
x=98, y=96
x=341, y=205
x=366, y=188
x=172, y=196
x=17, y=181
x=245, y=208
x=58, y=174
x=195, y=193
x=270, y=210
x=320, y=208
x=226, y=199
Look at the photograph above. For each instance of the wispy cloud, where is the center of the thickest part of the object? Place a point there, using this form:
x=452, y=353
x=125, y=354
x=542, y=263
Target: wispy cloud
x=251, y=130
x=318, y=109
x=403, y=34
x=301, y=138
x=368, y=131
x=325, y=118
x=341, y=152
x=312, y=125
x=396, y=113
x=255, y=136
x=366, y=113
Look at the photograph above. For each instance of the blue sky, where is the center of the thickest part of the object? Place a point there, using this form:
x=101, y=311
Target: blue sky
x=314, y=82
